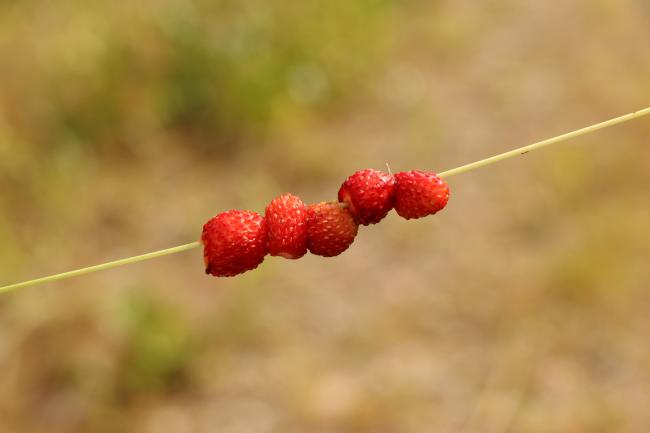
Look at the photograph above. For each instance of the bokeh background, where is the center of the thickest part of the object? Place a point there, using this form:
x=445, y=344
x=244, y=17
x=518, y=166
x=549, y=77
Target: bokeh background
x=523, y=307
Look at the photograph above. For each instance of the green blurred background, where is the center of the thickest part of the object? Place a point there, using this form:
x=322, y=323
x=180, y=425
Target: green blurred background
x=525, y=306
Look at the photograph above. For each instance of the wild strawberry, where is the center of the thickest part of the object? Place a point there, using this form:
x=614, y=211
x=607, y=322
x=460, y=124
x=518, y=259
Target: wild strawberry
x=331, y=229
x=369, y=195
x=419, y=193
x=234, y=242
x=286, y=222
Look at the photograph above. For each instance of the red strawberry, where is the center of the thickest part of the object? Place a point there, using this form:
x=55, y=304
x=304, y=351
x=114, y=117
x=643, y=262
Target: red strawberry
x=369, y=195
x=286, y=222
x=419, y=193
x=331, y=229
x=234, y=242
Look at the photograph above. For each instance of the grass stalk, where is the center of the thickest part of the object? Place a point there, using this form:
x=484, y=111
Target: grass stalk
x=445, y=174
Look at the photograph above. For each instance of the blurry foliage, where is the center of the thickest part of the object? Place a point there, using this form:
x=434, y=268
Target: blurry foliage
x=208, y=74
x=158, y=347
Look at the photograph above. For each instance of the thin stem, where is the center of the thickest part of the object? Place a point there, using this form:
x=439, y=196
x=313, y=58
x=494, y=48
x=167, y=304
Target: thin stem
x=543, y=143
x=101, y=267
x=455, y=171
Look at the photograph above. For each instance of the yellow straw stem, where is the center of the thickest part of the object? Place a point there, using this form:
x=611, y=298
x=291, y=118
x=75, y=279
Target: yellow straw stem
x=448, y=173
x=544, y=143
x=101, y=267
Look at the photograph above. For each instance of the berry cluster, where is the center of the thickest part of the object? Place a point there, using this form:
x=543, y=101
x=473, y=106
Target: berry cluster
x=237, y=241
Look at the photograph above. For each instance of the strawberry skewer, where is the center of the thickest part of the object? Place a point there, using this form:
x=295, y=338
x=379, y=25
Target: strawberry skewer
x=462, y=169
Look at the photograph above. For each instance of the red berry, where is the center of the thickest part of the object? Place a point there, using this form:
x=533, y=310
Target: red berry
x=369, y=195
x=286, y=222
x=331, y=229
x=419, y=193
x=234, y=242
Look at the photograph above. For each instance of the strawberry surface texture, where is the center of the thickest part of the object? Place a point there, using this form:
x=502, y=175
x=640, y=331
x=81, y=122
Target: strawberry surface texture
x=286, y=222
x=331, y=229
x=234, y=242
x=369, y=195
x=419, y=193
x=237, y=241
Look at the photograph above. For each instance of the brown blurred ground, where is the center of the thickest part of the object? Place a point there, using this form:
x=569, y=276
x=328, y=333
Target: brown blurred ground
x=523, y=307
